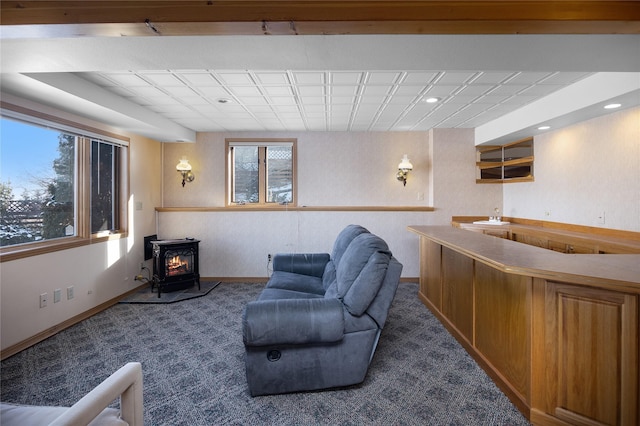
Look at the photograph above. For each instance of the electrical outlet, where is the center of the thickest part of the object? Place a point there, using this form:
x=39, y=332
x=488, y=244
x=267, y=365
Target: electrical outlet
x=601, y=218
x=56, y=295
x=43, y=300
x=269, y=257
x=141, y=265
x=70, y=292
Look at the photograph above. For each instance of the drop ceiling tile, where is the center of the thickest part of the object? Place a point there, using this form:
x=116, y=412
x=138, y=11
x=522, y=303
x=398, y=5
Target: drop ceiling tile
x=311, y=108
x=272, y=77
x=462, y=99
x=313, y=100
x=317, y=125
x=511, y=89
x=493, y=77
x=394, y=109
x=369, y=109
x=264, y=115
x=285, y=108
x=492, y=98
x=528, y=77
x=235, y=78
x=205, y=109
x=311, y=90
x=193, y=100
x=283, y=100
x=198, y=79
x=253, y=100
x=261, y=109
x=309, y=77
x=419, y=78
x=179, y=91
x=213, y=92
x=441, y=91
x=341, y=100
x=409, y=90
x=342, y=78
x=161, y=100
x=147, y=91
x=383, y=78
x=372, y=99
x=376, y=90
x=343, y=90
x=231, y=108
x=455, y=78
x=475, y=89
x=278, y=90
x=161, y=79
x=405, y=100
x=245, y=91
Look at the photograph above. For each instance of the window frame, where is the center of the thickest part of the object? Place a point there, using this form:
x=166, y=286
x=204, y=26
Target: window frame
x=85, y=135
x=260, y=143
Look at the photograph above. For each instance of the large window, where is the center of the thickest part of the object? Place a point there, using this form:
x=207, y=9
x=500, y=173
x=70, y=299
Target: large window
x=61, y=184
x=261, y=172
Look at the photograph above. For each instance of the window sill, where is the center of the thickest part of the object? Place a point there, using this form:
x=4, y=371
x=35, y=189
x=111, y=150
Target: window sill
x=23, y=251
x=299, y=209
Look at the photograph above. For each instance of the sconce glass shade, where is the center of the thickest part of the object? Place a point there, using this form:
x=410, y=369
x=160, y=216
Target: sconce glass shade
x=183, y=165
x=185, y=170
x=403, y=169
x=405, y=164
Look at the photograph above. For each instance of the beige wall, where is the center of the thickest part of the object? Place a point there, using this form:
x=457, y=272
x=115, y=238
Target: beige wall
x=334, y=169
x=583, y=170
x=98, y=272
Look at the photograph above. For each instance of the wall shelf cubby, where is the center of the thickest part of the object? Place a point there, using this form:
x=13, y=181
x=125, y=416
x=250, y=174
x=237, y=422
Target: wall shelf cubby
x=512, y=162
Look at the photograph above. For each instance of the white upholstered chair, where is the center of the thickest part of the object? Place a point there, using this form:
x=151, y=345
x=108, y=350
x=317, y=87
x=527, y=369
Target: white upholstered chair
x=92, y=409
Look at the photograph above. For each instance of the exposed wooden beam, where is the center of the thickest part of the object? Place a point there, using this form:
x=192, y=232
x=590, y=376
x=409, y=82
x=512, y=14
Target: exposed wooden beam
x=143, y=18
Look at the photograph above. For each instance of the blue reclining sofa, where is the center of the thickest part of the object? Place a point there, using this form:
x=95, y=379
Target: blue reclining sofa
x=317, y=322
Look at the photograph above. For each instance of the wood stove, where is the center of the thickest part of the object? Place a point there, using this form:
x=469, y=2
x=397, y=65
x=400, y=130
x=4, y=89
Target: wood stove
x=175, y=265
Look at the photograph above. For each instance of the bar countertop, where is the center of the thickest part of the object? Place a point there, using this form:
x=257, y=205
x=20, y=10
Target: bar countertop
x=619, y=272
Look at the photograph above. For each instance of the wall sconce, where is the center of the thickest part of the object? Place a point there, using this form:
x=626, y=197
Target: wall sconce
x=185, y=170
x=404, y=168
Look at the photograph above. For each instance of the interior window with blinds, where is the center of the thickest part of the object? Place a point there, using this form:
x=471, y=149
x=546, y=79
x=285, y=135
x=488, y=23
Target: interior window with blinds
x=261, y=172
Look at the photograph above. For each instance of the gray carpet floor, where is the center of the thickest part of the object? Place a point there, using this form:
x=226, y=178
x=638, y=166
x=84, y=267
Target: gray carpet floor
x=193, y=365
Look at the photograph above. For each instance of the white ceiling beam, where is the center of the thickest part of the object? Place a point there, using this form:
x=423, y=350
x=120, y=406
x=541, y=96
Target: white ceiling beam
x=585, y=98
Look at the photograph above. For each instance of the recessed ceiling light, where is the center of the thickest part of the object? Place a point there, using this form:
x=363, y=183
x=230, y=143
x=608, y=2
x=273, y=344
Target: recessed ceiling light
x=544, y=127
x=432, y=100
x=612, y=106
x=223, y=100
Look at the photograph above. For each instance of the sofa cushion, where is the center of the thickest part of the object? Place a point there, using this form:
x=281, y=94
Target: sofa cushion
x=297, y=282
x=367, y=284
x=361, y=272
x=279, y=293
x=329, y=275
x=292, y=322
x=344, y=239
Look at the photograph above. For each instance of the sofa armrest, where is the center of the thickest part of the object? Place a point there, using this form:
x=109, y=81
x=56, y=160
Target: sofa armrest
x=125, y=383
x=293, y=321
x=298, y=263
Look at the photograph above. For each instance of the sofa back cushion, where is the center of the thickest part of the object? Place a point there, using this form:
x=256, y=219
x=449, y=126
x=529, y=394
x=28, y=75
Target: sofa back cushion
x=342, y=242
x=344, y=239
x=360, y=273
